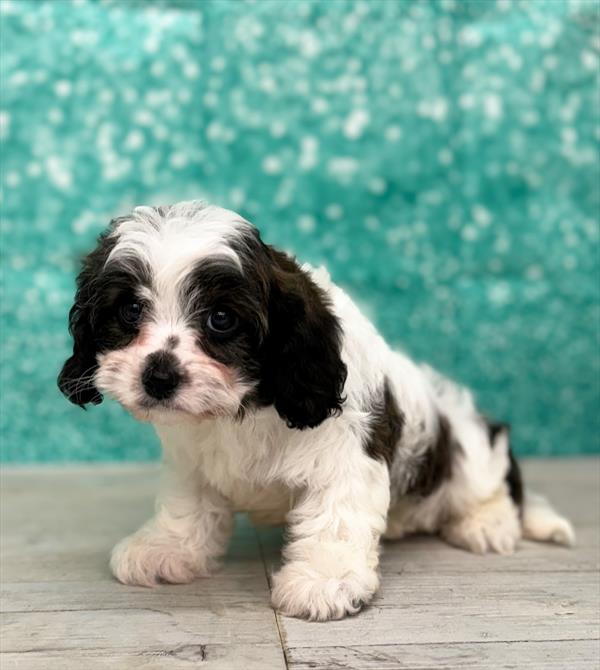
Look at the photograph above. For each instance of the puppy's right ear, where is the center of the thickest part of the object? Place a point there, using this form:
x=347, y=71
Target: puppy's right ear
x=76, y=379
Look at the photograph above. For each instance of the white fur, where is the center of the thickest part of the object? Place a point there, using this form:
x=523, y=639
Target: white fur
x=336, y=499
x=542, y=523
x=170, y=242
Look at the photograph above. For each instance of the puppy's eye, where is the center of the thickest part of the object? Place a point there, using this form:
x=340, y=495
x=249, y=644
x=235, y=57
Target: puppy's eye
x=222, y=322
x=130, y=313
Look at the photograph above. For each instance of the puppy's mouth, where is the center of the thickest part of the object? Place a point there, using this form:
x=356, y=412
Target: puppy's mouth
x=158, y=411
x=150, y=409
x=147, y=403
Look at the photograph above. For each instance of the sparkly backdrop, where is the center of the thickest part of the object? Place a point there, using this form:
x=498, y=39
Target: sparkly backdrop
x=440, y=157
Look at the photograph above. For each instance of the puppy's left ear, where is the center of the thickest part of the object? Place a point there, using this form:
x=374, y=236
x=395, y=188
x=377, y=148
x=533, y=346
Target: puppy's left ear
x=302, y=367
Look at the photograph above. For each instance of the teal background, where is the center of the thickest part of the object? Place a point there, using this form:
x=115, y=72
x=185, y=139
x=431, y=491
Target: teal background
x=440, y=157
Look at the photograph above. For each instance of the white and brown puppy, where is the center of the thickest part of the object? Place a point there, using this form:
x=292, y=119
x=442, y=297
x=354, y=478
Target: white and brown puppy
x=272, y=394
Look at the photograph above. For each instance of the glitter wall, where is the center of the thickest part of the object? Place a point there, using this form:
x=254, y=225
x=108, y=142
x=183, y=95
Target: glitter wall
x=442, y=158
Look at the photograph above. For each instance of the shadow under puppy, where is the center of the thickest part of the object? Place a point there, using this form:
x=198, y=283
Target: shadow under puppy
x=272, y=394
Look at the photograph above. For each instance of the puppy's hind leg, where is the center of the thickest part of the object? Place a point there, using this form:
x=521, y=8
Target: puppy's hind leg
x=497, y=523
x=492, y=526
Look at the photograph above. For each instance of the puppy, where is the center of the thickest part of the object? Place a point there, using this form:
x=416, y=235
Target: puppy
x=272, y=394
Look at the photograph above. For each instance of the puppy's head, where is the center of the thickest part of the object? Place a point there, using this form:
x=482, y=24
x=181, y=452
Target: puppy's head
x=184, y=311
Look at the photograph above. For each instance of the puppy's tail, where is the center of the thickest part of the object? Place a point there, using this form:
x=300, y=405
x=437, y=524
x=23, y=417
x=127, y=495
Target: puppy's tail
x=543, y=523
x=539, y=520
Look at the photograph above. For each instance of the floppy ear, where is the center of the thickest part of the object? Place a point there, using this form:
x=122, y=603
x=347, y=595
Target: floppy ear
x=302, y=363
x=76, y=377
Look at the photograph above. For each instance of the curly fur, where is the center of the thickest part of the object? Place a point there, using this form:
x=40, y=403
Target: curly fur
x=299, y=412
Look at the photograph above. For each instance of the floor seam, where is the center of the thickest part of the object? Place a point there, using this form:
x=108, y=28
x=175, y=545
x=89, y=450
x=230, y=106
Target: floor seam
x=275, y=614
x=447, y=643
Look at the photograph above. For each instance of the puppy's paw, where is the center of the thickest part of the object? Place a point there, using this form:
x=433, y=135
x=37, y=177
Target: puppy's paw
x=299, y=590
x=146, y=560
x=493, y=527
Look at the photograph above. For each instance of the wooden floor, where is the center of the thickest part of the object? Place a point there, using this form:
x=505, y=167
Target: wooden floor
x=438, y=607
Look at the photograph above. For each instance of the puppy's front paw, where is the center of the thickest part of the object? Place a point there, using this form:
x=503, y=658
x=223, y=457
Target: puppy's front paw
x=146, y=560
x=300, y=590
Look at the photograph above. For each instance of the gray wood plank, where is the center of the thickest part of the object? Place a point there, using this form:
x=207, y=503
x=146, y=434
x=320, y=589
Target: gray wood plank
x=438, y=606
x=132, y=629
x=464, y=608
x=423, y=555
x=571, y=484
x=420, y=554
x=211, y=657
x=226, y=590
x=62, y=609
x=548, y=655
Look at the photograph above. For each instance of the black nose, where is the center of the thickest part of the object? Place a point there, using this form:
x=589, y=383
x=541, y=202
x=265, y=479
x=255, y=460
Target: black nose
x=161, y=376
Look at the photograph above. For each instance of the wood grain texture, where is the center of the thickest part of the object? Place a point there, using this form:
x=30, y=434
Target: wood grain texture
x=554, y=655
x=185, y=657
x=464, y=608
x=61, y=608
x=438, y=607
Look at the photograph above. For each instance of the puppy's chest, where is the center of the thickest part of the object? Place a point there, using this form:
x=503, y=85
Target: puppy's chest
x=247, y=476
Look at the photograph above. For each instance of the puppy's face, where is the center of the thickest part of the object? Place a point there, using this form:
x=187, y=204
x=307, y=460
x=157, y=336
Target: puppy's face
x=185, y=344
x=184, y=311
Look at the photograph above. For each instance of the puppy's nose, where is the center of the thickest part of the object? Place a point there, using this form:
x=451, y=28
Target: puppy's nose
x=161, y=376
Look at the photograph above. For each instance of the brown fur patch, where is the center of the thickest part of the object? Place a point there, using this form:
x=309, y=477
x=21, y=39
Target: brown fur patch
x=386, y=428
x=437, y=464
x=513, y=478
